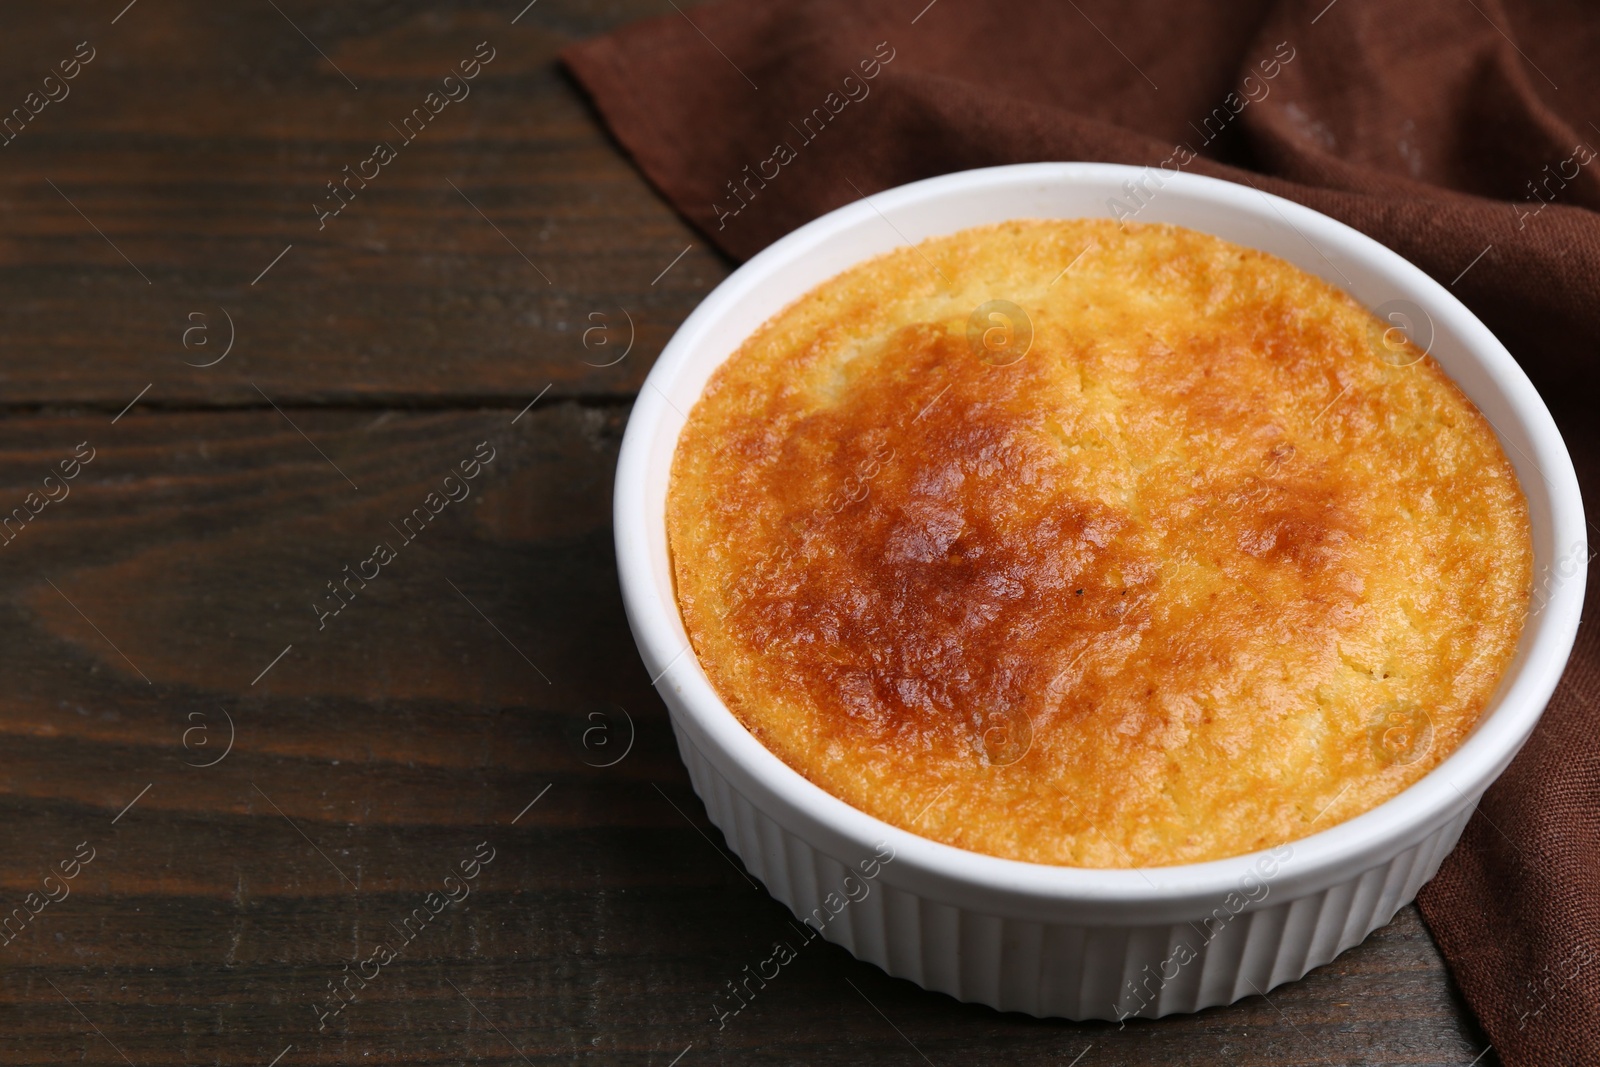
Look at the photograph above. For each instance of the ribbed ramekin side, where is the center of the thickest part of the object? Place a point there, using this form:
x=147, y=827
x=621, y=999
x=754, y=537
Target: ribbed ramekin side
x=869, y=926
x=939, y=933
x=1061, y=985
x=902, y=929
x=1074, y=970
x=840, y=927
x=1021, y=967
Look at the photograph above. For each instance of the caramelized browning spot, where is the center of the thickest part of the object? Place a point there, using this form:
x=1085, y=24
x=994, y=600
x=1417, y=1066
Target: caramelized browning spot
x=943, y=592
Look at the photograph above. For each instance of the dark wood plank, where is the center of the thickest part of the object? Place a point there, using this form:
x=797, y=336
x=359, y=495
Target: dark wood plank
x=198, y=140
x=382, y=749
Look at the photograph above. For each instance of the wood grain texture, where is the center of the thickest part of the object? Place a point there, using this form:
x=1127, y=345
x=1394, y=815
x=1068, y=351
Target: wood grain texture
x=144, y=617
x=198, y=141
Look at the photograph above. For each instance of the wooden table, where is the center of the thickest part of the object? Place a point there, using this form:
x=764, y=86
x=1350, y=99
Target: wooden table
x=268, y=787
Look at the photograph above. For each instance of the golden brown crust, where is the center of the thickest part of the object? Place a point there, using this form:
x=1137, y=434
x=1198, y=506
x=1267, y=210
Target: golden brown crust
x=1198, y=574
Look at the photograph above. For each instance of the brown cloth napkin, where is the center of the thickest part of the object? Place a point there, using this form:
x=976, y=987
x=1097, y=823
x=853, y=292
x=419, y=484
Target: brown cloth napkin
x=1458, y=132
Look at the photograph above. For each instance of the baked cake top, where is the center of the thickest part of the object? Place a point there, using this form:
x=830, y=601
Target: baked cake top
x=1096, y=545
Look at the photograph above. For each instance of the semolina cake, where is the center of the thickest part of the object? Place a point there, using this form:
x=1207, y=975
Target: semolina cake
x=1095, y=544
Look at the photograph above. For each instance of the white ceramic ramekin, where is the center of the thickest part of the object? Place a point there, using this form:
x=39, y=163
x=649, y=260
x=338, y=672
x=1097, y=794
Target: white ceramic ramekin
x=1069, y=941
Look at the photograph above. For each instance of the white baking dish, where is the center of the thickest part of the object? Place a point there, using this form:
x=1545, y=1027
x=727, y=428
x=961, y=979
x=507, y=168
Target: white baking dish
x=1066, y=941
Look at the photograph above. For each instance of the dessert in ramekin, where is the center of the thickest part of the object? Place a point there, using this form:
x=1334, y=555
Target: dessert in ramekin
x=1115, y=875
